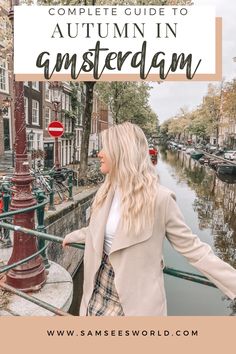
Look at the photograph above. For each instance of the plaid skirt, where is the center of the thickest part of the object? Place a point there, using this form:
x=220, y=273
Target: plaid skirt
x=105, y=300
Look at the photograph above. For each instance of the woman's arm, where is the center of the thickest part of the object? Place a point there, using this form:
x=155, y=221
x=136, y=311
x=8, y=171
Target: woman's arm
x=198, y=253
x=77, y=236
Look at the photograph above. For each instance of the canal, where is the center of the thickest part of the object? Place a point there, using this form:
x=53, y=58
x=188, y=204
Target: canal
x=208, y=206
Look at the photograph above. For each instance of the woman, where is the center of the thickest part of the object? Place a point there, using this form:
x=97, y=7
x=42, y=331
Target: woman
x=131, y=215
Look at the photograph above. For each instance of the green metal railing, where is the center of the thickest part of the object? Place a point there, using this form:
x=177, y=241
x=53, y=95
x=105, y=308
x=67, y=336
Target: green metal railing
x=39, y=233
x=42, y=245
x=22, y=261
x=36, y=301
x=196, y=278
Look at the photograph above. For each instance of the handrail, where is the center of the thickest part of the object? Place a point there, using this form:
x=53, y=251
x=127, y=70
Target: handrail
x=21, y=211
x=167, y=270
x=185, y=275
x=39, y=234
x=33, y=299
x=24, y=260
x=219, y=158
x=42, y=201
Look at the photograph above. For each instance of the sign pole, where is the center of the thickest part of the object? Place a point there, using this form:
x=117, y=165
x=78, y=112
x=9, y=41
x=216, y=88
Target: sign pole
x=56, y=129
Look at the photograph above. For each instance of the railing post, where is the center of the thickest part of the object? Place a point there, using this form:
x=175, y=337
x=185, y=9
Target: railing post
x=41, y=228
x=70, y=185
x=29, y=276
x=6, y=241
x=51, y=195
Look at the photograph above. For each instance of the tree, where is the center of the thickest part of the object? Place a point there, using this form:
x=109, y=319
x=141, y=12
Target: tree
x=229, y=99
x=86, y=126
x=198, y=125
x=128, y=101
x=164, y=130
x=211, y=109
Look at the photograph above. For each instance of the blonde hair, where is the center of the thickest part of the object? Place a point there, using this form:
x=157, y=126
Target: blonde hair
x=131, y=169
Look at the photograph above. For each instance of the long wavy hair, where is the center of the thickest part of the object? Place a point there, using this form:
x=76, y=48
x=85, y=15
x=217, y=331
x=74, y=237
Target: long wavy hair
x=131, y=169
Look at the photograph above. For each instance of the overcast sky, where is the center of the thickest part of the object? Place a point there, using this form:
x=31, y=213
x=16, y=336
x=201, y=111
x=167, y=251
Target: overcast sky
x=167, y=98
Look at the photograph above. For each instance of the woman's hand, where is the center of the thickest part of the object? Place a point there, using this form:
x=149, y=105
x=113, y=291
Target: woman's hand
x=65, y=242
x=76, y=236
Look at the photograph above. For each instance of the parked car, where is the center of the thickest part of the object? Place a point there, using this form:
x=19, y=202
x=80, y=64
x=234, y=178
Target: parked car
x=230, y=155
x=199, y=146
x=219, y=153
x=212, y=149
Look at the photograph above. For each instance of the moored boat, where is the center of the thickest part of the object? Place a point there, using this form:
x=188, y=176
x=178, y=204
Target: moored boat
x=227, y=178
x=196, y=155
x=226, y=169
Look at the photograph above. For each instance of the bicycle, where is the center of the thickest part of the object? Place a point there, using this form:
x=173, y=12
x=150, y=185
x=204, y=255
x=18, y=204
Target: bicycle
x=94, y=176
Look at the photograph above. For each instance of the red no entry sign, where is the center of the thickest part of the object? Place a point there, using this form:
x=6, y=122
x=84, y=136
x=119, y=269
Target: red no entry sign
x=56, y=129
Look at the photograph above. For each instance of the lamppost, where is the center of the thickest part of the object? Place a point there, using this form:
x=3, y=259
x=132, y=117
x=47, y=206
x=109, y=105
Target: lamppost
x=29, y=276
x=56, y=92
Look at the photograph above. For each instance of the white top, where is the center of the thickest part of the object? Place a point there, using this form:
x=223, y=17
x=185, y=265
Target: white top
x=112, y=222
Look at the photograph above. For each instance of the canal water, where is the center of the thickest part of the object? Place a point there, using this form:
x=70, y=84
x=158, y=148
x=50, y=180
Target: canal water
x=208, y=206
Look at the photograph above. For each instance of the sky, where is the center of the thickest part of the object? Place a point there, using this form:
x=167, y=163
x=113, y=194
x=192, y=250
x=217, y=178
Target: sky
x=167, y=98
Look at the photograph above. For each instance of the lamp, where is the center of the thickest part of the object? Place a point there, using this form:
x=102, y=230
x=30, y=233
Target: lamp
x=6, y=104
x=31, y=135
x=56, y=92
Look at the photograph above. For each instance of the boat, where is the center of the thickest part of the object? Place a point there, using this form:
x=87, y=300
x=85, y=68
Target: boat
x=196, y=155
x=153, y=153
x=215, y=164
x=226, y=169
x=204, y=160
x=227, y=178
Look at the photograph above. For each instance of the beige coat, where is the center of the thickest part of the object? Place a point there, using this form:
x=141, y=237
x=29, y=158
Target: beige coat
x=137, y=261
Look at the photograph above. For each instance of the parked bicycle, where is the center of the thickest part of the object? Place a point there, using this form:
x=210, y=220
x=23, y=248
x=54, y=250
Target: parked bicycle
x=93, y=176
x=42, y=181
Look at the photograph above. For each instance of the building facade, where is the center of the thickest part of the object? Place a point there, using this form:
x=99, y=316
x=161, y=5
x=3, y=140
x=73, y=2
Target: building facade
x=101, y=120
x=6, y=68
x=33, y=103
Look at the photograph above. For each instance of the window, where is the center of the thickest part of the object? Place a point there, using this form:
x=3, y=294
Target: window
x=67, y=126
x=63, y=101
x=77, y=138
x=47, y=92
x=70, y=125
x=80, y=119
x=3, y=30
x=35, y=112
x=26, y=83
x=26, y=105
x=67, y=103
x=3, y=76
x=35, y=85
x=38, y=141
x=30, y=141
x=47, y=117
